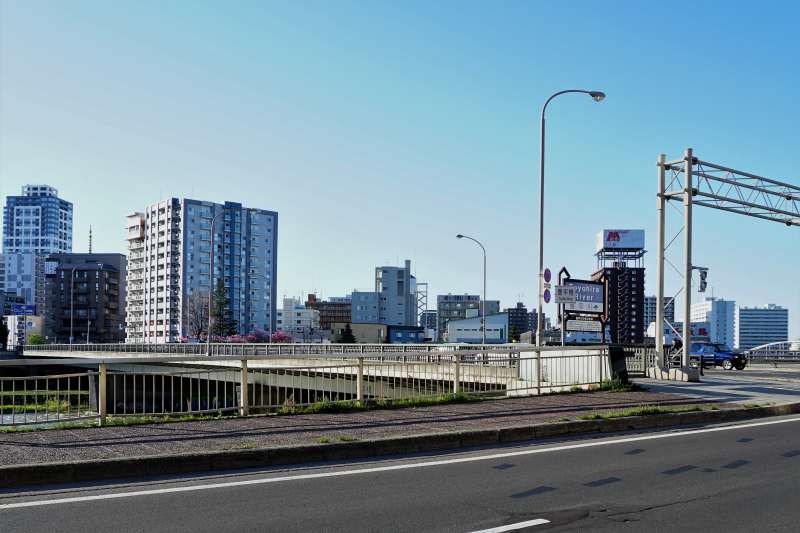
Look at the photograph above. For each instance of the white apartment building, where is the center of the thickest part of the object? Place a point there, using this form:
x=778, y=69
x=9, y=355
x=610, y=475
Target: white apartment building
x=756, y=326
x=299, y=321
x=720, y=315
x=168, y=278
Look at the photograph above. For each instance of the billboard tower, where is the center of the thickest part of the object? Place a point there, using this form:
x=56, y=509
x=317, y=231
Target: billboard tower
x=620, y=266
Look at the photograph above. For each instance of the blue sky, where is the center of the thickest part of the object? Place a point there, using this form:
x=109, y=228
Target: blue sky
x=380, y=130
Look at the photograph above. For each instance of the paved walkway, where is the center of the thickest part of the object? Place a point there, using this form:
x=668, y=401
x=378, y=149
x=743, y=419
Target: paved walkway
x=267, y=431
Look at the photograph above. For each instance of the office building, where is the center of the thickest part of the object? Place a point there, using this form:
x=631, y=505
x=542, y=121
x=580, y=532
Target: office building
x=334, y=309
x=24, y=277
x=168, y=268
x=297, y=320
x=459, y=306
x=393, y=301
x=85, y=296
x=756, y=326
x=397, y=288
x=365, y=307
x=720, y=315
x=468, y=330
x=650, y=311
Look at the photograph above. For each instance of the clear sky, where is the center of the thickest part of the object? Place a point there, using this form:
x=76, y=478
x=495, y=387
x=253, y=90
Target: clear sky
x=380, y=130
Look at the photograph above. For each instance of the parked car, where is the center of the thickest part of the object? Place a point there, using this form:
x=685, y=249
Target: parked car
x=714, y=354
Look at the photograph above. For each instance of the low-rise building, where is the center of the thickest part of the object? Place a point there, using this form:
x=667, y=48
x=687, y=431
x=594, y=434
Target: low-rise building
x=468, y=330
x=85, y=296
x=406, y=334
x=299, y=321
x=363, y=333
x=20, y=328
x=334, y=309
x=459, y=306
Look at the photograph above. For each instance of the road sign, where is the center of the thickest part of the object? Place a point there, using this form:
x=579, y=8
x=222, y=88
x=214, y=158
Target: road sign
x=547, y=296
x=23, y=309
x=584, y=325
x=589, y=296
x=547, y=275
x=564, y=294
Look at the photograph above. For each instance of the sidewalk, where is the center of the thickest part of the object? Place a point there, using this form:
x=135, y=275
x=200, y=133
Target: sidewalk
x=89, y=444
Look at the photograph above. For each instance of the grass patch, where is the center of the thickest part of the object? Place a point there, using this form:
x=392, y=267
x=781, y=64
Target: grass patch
x=347, y=406
x=647, y=410
x=323, y=440
x=347, y=438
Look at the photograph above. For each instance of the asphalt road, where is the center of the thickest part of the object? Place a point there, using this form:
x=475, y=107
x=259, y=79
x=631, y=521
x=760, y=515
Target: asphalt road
x=739, y=477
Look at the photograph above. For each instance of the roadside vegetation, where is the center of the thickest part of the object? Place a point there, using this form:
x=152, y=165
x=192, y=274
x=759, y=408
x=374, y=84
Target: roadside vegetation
x=649, y=410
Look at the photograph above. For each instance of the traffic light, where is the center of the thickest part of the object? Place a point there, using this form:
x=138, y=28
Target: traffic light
x=703, y=283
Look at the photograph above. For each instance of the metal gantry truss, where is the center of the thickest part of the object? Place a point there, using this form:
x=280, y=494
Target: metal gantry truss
x=692, y=181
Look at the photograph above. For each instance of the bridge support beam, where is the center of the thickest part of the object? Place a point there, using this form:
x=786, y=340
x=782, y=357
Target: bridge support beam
x=102, y=406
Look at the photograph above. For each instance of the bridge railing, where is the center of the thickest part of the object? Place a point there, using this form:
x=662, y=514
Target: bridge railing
x=123, y=385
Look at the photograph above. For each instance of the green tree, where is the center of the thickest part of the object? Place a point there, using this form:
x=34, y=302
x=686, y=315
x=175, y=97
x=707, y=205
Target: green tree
x=223, y=322
x=35, y=339
x=346, y=336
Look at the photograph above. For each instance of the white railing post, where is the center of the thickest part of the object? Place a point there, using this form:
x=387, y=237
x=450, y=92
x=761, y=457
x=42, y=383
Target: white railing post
x=360, y=379
x=102, y=408
x=457, y=374
x=244, y=398
x=538, y=370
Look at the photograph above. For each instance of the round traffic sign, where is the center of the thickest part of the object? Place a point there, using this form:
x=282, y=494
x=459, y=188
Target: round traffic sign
x=547, y=275
x=547, y=296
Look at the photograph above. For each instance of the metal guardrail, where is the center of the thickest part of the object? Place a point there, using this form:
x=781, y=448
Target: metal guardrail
x=184, y=384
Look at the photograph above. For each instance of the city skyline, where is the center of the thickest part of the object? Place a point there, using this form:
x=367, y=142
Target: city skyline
x=444, y=123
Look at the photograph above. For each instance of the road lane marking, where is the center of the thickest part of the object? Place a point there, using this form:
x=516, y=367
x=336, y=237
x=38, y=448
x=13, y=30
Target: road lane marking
x=389, y=468
x=514, y=527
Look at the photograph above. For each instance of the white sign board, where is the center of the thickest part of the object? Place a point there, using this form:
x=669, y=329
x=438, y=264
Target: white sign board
x=620, y=239
x=584, y=325
x=564, y=294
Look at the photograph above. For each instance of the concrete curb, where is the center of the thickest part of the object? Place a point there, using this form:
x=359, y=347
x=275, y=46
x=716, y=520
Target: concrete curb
x=105, y=469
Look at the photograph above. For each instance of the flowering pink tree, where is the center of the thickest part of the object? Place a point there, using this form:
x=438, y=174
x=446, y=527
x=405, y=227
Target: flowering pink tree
x=281, y=336
x=258, y=335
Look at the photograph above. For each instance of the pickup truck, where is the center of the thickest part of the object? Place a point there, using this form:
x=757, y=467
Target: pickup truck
x=714, y=354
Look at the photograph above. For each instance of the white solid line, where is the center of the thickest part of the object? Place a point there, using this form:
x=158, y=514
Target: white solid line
x=514, y=527
x=404, y=466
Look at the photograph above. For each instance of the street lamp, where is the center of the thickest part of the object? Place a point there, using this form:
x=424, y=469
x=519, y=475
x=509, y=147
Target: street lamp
x=483, y=300
x=597, y=96
x=211, y=281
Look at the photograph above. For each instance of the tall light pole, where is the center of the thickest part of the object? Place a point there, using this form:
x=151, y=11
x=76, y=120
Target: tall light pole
x=71, y=303
x=211, y=280
x=483, y=299
x=597, y=96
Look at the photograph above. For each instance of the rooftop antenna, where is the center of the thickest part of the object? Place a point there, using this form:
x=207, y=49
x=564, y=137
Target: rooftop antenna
x=90, y=238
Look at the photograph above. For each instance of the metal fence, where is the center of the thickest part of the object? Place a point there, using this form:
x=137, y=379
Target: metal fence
x=180, y=384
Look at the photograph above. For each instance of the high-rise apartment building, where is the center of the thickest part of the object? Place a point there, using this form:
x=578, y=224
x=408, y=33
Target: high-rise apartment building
x=720, y=315
x=756, y=326
x=650, y=311
x=169, y=264
x=35, y=224
x=518, y=321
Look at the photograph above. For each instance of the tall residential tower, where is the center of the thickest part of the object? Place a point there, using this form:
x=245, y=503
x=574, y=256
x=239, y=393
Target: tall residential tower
x=168, y=268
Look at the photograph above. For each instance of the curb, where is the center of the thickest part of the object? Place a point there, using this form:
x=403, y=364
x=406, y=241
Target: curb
x=159, y=465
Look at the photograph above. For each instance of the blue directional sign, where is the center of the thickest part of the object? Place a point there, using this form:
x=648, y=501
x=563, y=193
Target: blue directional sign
x=23, y=309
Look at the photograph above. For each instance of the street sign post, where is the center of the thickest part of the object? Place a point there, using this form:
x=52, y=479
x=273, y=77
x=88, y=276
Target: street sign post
x=23, y=309
x=594, y=326
x=564, y=294
x=589, y=297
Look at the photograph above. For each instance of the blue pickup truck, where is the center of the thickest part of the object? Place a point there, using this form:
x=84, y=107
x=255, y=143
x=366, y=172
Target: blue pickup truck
x=714, y=354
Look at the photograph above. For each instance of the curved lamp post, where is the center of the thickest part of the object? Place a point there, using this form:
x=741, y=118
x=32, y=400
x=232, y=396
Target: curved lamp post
x=483, y=299
x=597, y=96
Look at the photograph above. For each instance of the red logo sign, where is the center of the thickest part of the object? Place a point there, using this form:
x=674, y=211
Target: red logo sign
x=613, y=236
